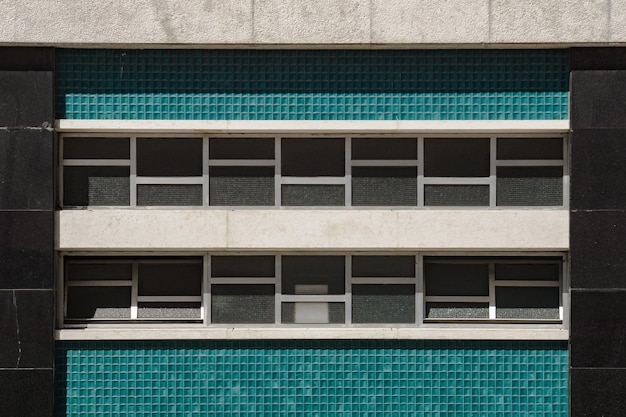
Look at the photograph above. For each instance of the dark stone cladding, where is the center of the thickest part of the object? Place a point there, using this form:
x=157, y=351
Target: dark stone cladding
x=26, y=231
x=597, y=231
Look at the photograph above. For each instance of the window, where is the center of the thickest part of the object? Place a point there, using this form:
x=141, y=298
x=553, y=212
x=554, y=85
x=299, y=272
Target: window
x=359, y=171
x=314, y=289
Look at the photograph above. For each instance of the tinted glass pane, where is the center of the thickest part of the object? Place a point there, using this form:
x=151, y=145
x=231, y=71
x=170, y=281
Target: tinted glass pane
x=169, y=195
x=96, y=186
x=96, y=148
x=529, y=186
x=241, y=186
x=168, y=311
x=242, y=304
x=313, y=195
x=169, y=157
x=98, y=303
x=384, y=149
x=383, y=266
x=384, y=186
x=313, y=313
x=527, y=303
x=516, y=148
x=383, y=304
x=326, y=271
x=527, y=272
x=170, y=278
x=313, y=157
x=242, y=266
x=456, y=195
x=456, y=279
x=456, y=157
x=96, y=272
x=457, y=310
x=241, y=148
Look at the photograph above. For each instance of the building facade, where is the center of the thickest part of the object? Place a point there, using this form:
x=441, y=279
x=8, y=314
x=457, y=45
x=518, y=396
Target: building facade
x=275, y=208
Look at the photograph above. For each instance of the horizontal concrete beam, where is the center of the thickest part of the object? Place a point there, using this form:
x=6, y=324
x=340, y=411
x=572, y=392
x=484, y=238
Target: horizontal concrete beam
x=303, y=23
x=313, y=230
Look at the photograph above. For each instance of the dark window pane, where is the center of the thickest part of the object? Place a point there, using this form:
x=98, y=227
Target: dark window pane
x=384, y=149
x=169, y=195
x=456, y=279
x=515, y=148
x=168, y=311
x=529, y=186
x=99, y=272
x=384, y=186
x=457, y=310
x=241, y=186
x=313, y=313
x=242, y=304
x=313, y=195
x=169, y=157
x=456, y=157
x=527, y=272
x=456, y=195
x=383, y=266
x=241, y=148
x=326, y=271
x=313, y=157
x=98, y=303
x=383, y=303
x=242, y=266
x=96, y=186
x=96, y=148
x=527, y=303
x=170, y=278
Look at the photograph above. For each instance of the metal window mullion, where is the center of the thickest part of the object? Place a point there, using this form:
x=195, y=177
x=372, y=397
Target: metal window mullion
x=566, y=168
x=205, y=171
x=314, y=298
x=278, y=289
x=492, y=291
x=134, y=291
x=348, y=174
x=348, y=291
x=382, y=280
x=313, y=181
x=527, y=284
x=169, y=299
x=61, y=175
x=241, y=162
x=419, y=289
x=458, y=180
x=277, y=173
x=530, y=163
x=244, y=281
x=61, y=279
x=420, y=172
x=492, y=171
x=100, y=283
x=458, y=298
x=205, y=309
x=170, y=180
x=369, y=163
x=133, y=171
x=96, y=162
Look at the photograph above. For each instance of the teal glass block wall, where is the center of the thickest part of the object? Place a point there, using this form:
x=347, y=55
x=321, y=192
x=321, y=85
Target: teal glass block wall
x=312, y=84
x=312, y=378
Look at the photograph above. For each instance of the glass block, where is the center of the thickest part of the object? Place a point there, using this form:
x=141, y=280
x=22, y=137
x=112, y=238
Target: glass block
x=96, y=186
x=313, y=157
x=241, y=186
x=529, y=186
x=383, y=303
x=541, y=303
x=456, y=195
x=384, y=149
x=456, y=157
x=96, y=148
x=313, y=195
x=169, y=195
x=241, y=148
x=313, y=313
x=456, y=279
x=162, y=157
x=457, y=311
x=175, y=278
x=99, y=271
x=535, y=148
x=313, y=270
x=383, y=266
x=384, y=186
x=166, y=311
x=98, y=303
x=242, y=266
x=528, y=272
x=242, y=304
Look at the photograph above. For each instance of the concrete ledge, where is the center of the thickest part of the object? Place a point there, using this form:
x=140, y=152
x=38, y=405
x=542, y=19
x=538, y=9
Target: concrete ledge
x=312, y=230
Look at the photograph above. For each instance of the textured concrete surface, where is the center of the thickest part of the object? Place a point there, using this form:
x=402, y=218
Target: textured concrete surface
x=359, y=23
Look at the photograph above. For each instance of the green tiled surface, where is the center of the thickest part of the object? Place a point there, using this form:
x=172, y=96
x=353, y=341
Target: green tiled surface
x=312, y=378
x=312, y=84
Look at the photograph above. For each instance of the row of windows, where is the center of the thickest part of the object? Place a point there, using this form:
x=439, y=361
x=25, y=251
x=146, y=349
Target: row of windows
x=313, y=171
x=314, y=289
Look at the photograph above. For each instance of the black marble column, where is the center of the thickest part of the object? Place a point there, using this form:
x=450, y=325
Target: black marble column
x=598, y=232
x=26, y=232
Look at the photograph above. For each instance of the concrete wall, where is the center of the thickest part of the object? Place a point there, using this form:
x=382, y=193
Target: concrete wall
x=263, y=23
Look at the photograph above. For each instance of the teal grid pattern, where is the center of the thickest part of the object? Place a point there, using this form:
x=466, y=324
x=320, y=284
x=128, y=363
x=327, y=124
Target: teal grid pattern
x=312, y=378
x=312, y=84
